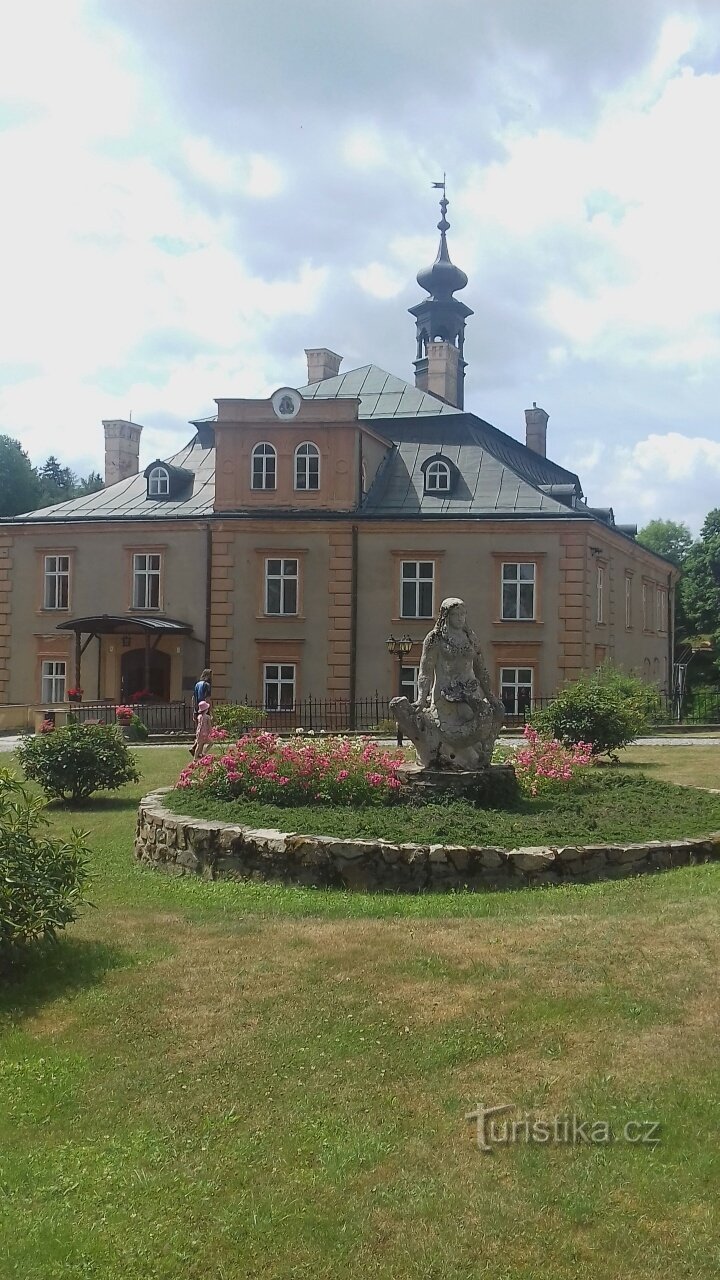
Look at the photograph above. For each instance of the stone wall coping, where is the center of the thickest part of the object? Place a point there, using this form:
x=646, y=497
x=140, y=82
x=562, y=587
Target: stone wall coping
x=181, y=844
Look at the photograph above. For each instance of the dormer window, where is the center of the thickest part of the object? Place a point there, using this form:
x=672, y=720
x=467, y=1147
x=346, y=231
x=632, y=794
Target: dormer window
x=165, y=480
x=264, y=466
x=159, y=483
x=307, y=466
x=437, y=478
x=439, y=475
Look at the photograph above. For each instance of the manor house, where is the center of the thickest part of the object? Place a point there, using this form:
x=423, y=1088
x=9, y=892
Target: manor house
x=294, y=535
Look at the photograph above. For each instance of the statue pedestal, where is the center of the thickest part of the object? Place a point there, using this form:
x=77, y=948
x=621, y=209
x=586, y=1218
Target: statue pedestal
x=495, y=787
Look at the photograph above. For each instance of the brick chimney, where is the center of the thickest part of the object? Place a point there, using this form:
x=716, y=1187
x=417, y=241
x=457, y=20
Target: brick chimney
x=441, y=373
x=536, y=421
x=122, y=449
x=321, y=364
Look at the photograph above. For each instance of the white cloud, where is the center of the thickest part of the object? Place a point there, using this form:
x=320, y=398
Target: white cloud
x=379, y=281
x=670, y=475
x=167, y=231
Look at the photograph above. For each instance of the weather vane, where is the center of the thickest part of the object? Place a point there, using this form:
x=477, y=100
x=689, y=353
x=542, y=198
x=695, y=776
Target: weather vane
x=440, y=185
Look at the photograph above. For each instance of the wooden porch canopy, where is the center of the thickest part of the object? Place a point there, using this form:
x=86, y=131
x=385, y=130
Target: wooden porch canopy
x=108, y=624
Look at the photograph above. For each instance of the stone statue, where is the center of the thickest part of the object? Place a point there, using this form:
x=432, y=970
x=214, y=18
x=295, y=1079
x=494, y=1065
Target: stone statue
x=456, y=720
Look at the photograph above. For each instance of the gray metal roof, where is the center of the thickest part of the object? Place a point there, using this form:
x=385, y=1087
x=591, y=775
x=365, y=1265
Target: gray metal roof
x=128, y=498
x=484, y=486
x=382, y=395
x=498, y=474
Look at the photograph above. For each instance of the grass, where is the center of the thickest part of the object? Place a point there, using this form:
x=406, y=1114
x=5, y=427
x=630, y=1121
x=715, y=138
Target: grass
x=228, y=1080
x=609, y=805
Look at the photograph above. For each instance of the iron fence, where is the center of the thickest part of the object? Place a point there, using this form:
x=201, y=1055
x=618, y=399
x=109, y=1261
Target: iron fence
x=159, y=717
x=365, y=715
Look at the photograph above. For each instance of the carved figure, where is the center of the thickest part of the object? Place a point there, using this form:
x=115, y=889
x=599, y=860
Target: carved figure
x=456, y=719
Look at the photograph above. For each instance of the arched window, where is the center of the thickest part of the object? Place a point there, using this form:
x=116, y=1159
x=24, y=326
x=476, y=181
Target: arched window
x=307, y=466
x=158, y=483
x=264, y=461
x=437, y=477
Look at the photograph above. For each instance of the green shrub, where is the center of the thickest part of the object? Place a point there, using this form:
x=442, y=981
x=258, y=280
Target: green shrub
x=74, y=761
x=138, y=730
x=236, y=719
x=606, y=708
x=41, y=880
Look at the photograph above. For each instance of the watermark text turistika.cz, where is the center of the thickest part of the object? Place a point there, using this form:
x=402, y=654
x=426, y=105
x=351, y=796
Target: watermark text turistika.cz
x=494, y=1128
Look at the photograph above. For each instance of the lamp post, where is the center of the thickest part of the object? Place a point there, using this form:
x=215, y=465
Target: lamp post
x=400, y=648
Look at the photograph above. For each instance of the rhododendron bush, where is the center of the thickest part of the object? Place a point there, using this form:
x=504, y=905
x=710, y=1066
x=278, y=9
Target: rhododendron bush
x=263, y=767
x=543, y=763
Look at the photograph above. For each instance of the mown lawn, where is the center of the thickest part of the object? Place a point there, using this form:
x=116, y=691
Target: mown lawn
x=226, y=1081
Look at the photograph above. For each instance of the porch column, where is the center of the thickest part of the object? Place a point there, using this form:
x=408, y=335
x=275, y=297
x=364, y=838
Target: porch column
x=78, y=656
x=146, y=678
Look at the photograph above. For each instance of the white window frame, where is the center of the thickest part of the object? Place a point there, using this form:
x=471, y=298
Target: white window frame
x=409, y=683
x=515, y=581
x=306, y=454
x=628, y=601
x=415, y=582
x=266, y=454
x=287, y=577
x=56, y=581
x=275, y=676
x=146, y=573
x=514, y=682
x=600, y=594
x=159, y=483
x=645, y=606
x=433, y=473
x=53, y=679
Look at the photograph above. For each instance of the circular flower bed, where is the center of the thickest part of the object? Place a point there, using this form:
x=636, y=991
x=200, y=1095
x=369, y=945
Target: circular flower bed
x=334, y=812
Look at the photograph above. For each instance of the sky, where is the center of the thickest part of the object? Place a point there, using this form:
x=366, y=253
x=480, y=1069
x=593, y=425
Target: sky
x=194, y=193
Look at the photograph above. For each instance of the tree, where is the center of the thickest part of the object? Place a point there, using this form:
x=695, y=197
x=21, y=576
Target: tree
x=19, y=484
x=91, y=483
x=673, y=540
x=669, y=538
x=57, y=483
x=701, y=586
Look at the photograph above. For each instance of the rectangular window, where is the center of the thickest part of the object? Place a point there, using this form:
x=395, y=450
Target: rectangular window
x=645, y=607
x=417, y=580
x=661, y=609
x=409, y=682
x=518, y=591
x=146, y=580
x=56, y=583
x=516, y=689
x=281, y=586
x=600, y=594
x=628, y=601
x=279, y=686
x=53, y=681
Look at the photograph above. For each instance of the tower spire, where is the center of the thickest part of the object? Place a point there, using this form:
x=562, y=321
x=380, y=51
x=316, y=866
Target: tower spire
x=440, y=321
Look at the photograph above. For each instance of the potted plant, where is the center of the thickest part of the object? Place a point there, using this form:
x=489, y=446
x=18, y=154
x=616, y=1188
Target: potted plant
x=74, y=695
x=124, y=714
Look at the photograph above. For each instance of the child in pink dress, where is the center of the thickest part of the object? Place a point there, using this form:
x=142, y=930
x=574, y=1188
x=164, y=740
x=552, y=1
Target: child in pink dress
x=202, y=733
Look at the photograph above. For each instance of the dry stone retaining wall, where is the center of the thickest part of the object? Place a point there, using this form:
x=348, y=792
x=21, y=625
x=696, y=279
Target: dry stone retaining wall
x=181, y=845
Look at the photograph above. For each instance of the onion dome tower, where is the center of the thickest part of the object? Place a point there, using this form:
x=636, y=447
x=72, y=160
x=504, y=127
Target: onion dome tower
x=440, y=321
